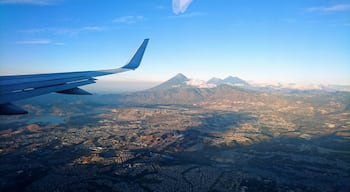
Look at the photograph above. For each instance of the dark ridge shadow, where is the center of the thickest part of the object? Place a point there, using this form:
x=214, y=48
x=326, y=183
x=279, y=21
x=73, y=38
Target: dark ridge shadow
x=20, y=169
x=320, y=163
x=221, y=121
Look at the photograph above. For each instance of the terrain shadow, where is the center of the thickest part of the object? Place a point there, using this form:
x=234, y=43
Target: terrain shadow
x=190, y=162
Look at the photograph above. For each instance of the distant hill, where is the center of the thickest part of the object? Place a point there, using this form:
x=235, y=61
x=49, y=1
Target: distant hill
x=185, y=95
x=173, y=91
x=182, y=90
x=215, y=81
x=176, y=81
x=179, y=90
x=234, y=81
x=181, y=80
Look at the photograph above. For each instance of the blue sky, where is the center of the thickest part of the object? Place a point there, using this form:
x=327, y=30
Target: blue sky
x=299, y=41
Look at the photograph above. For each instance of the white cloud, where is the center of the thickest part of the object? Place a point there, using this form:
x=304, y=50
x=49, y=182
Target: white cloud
x=160, y=7
x=59, y=43
x=199, y=83
x=333, y=8
x=37, y=41
x=33, y=2
x=188, y=15
x=91, y=28
x=128, y=19
x=180, y=6
x=61, y=31
x=34, y=30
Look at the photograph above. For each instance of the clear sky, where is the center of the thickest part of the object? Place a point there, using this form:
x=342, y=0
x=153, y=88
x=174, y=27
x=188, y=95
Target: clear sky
x=299, y=41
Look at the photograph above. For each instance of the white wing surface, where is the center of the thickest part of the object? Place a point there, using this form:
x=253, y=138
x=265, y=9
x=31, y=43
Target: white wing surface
x=17, y=87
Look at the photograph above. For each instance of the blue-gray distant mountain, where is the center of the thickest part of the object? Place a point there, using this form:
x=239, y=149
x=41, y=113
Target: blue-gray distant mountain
x=235, y=81
x=215, y=81
x=173, y=91
x=176, y=81
x=178, y=90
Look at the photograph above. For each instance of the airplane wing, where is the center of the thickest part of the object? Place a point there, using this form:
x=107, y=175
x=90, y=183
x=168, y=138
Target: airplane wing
x=17, y=87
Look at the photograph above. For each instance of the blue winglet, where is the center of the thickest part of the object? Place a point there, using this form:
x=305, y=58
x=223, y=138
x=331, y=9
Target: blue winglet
x=136, y=59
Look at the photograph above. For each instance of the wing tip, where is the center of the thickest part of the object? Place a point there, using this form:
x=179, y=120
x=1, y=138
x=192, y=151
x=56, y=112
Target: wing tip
x=135, y=61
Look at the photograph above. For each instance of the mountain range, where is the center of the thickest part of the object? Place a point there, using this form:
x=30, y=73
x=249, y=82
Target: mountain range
x=181, y=80
x=234, y=81
x=176, y=81
x=183, y=90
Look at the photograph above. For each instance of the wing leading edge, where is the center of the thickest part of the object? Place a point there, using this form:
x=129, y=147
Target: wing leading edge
x=18, y=87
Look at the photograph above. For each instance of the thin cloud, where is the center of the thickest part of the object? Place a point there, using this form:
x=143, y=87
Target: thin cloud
x=128, y=19
x=34, y=30
x=333, y=8
x=180, y=6
x=92, y=28
x=35, y=42
x=76, y=31
x=160, y=7
x=188, y=15
x=59, y=43
x=31, y=2
x=62, y=31
x=39, y=42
